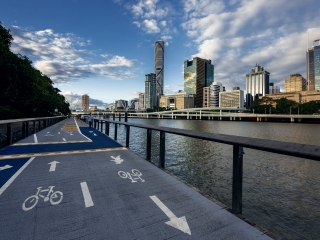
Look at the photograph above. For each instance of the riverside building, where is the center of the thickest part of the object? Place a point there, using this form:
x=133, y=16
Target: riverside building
x=198, y=73
x=211, y=94
x=159, y=68
x=179, y=100
x=232, y=99
x=150, y=97
x=313, y=66
x=257, y=82
x=295, y=83
x=85, y=102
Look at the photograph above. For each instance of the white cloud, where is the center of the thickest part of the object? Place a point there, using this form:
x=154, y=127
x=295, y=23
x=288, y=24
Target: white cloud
x=59, y=56
x=151, y=26
x=251, y=31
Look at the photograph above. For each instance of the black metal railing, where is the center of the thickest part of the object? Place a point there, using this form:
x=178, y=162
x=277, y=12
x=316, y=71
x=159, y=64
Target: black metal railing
x=24, y=128
x=286, y=148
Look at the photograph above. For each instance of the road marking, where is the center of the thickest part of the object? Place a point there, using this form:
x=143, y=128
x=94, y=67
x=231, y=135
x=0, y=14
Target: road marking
x=80, y=131
x=35, y=138
x=53, y=166
x=135, y=175
x=5, y=167
x=4, y=157
x=86, y=195
x=117, y=159
x=64, y=139
x=178, y=223
x=7, y=184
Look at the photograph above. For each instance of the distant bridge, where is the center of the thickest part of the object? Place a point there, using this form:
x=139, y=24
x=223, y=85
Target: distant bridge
x=231, y=114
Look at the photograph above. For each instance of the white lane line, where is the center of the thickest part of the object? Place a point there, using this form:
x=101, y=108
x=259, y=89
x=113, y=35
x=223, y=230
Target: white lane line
x=7, y=184
x=35, y=138
x=86, y=195
x=80, y=131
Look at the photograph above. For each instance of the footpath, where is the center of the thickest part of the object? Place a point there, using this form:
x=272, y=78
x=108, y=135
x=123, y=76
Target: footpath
x=72, y=182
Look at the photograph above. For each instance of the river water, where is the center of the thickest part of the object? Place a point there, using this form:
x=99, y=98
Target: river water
x=280, y=193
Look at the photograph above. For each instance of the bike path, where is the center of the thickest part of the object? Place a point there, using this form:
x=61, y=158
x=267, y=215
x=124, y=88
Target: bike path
x=112, y=196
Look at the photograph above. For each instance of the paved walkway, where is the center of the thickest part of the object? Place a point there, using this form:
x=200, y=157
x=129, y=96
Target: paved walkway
x=71, y=182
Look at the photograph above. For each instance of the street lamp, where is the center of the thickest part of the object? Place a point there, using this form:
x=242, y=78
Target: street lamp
x=56, y=90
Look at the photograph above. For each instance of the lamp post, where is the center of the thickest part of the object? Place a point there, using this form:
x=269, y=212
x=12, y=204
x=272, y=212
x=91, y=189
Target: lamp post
x=57, y=91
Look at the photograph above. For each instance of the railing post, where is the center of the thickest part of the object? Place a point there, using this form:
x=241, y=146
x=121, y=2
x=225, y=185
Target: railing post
x=149, y=135
x=162, y=149
x=107, y=129
x=115, y=131
x=27, y=129
x=9, y=134
x=39, y=124
x=237, y=179
x=126, y=117
x=114, y=117
x=34, y=126
x=95, y=124
x=23, y=129
x=127, y=136
x=119, y=116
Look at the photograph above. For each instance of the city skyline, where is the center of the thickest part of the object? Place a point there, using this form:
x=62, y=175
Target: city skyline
x=105, y=49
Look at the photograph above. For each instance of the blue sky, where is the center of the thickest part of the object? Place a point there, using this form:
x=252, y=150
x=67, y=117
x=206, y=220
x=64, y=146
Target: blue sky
x=105, y=48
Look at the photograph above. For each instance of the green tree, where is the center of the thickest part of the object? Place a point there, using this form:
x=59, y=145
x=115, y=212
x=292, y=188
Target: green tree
x=25, y=91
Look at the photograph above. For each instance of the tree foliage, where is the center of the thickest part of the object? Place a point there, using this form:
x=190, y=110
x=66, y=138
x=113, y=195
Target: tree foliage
x=25, y=91
x=285, y=106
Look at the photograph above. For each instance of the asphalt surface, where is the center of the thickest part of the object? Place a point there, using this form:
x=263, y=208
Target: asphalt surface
x=102, y=191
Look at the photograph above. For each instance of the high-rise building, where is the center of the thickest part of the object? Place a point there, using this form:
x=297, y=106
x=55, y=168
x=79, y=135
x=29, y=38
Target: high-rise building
x=159, y=68
x=257, y=82
x=211, y=94
x=310, y=69
x=317, y=66
x=85, y=102
x=233, y=99
x=141, y=101
x=198, y=73
x=295, y=83
x=150, y=91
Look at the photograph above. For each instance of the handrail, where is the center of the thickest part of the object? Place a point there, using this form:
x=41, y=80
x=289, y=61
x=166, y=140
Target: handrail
x=46, y=122
x=311, y=152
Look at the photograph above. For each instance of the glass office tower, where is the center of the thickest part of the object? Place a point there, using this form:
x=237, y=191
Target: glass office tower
x=198, y=73
x=317, y=67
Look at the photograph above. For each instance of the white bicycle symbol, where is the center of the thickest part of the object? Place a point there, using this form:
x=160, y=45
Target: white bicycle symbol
x=55, y=198
x=135, y=175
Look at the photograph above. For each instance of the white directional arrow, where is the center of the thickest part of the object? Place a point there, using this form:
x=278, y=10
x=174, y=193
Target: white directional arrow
x=5, y=167
x=178, y=223
x=53, y=166
x=117, y=159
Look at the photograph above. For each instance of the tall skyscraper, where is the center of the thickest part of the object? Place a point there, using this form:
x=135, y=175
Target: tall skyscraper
x=159, y=68
x=317, y=65
x=85, y=102
x=198, y=73
x=310, y=69
x=257, y=82
x=150, y=91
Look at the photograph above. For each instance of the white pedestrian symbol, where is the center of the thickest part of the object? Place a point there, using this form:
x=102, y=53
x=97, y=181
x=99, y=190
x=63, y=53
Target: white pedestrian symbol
x=55, y=198
x=117, y=159
x=48, y=134
x=135, y=175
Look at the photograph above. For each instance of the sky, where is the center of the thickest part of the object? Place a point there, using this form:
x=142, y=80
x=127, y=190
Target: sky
x=104, y=48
